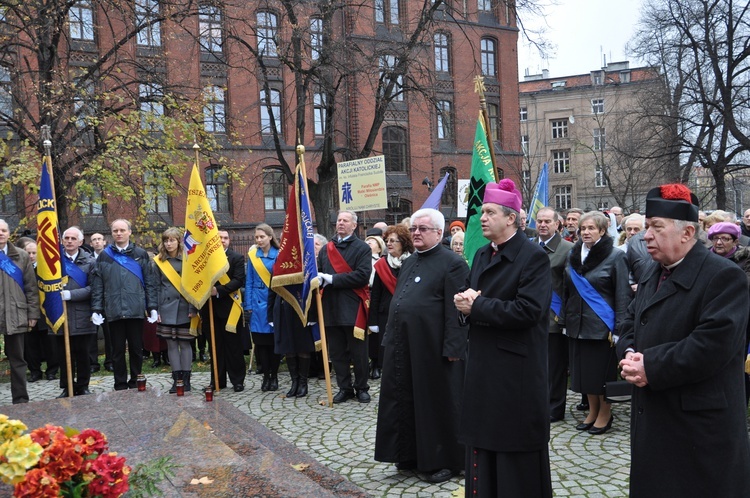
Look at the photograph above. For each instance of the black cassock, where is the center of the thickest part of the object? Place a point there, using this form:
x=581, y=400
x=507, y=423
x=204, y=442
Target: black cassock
x=420, y=389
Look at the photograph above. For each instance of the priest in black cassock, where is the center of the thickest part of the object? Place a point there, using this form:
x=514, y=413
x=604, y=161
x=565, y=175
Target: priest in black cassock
x=423, y=367
x=505, y=406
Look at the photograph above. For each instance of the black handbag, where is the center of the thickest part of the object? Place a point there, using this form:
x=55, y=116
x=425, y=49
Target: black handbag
x=618, y=391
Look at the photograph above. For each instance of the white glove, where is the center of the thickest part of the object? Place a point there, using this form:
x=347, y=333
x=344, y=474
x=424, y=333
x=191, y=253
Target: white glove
x=153, y=317
x=270, y=323
x=374, y=329
x=325, y=279
x=97, y=318
x=65, y=294
x=310, y=324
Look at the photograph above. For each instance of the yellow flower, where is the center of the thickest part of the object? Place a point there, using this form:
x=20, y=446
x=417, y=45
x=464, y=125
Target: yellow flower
x=10, y=429
x=17, y=456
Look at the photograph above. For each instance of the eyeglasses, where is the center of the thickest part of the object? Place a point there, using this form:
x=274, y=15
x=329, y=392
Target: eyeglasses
x=727, y=239
x=392, y=241
x=421, y=229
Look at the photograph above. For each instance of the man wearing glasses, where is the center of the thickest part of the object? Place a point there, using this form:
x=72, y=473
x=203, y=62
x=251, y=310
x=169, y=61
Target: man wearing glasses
x=423, y=370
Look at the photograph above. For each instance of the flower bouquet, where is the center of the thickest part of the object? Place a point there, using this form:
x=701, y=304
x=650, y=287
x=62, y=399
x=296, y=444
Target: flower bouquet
x=52, y=461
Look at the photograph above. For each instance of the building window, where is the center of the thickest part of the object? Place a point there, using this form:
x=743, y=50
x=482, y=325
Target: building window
x=274, y=190
x=214, y=109
x=600, y=180
x=270, y=108
x=525, y=144
x=319, y=108
x=488, y=57
x=526, y=180
x=81, y=20
x=450, y=193
x=484, y=5
x=442, y=51
x=561, y=161
x=597, y=106
x=387, y=65
x=387, y=12
x=268, y=25
x=149, y=29
x=217, y=189
x=625, y=77
x=84, y=104
x=209, y=18
x=599, y=139
x=6, y=94
x=444, y=120
x=560, y=128
x=493, y=116
x=596, y=78
x=563, y=197
x=394, y=149
x=90, y=204
x=150, y=97
x=603, y=205
x=9, y=202
x=524, y=114
x=316, y=37
x=157, y=201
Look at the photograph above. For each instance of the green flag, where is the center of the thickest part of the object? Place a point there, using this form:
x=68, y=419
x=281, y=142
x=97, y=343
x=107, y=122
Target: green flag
x=482, y=172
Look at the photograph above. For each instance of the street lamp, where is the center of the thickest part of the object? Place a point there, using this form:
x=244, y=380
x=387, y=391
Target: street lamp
x=394, y=200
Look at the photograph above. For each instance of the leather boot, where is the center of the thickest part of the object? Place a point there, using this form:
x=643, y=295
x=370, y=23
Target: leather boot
x=186, y=379
x=292, y=363
x=304, y=368
x=273, y=383
x=157, y=360
x=266, y=381
x=176, y=375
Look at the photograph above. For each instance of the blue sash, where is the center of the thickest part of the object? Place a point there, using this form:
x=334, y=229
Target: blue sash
x=11, y=269
x=556, y=304
x=72, y=270
x=593, y=299
x=126, y=262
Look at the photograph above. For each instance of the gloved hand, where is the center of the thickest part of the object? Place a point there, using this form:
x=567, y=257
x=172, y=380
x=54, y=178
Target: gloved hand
x=65, y=294
x=374, y=329
x=153, y=317
x=270, y=323
x=325, y=279
x=310, y=324
x=97, y=318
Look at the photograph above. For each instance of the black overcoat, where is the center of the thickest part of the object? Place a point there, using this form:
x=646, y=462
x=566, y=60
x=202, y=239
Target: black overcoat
x=689, y=424
x=505, y=402
x=340, y=302
x=420, y=389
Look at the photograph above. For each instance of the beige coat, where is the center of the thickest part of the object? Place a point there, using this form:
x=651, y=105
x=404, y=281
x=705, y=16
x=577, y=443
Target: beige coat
x=18, y=306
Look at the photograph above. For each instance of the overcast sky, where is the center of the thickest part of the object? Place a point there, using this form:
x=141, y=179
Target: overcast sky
x=583, y=31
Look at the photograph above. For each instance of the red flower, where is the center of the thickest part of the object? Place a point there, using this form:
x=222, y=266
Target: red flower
x=62, y=459
x=92, y=441
x=37, y=484
x=47, y=435
x=111, y=475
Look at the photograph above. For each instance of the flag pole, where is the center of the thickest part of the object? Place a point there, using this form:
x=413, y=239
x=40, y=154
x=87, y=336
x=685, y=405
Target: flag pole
x=318, y=301
x=480, y=89
x=214, y=356
x=47, y=143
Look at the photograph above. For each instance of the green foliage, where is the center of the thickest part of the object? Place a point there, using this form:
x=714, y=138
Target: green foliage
x=145, y=477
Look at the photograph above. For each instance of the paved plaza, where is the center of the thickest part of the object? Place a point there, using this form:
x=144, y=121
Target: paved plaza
x=343, y=438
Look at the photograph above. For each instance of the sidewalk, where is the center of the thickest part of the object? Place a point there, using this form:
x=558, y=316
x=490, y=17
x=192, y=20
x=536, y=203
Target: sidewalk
x=342, y=438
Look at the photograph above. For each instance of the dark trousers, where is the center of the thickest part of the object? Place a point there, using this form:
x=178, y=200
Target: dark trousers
x=229, y=358
x=94, y=347
x=377, y=352
x=14, y=351
x=79, y=360
x=344, y=348
x=40, y=346
x=130, y=331
x=558, y=374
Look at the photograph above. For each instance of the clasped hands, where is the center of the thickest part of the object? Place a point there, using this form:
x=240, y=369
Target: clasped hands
x=633, y=369
x=464, y=300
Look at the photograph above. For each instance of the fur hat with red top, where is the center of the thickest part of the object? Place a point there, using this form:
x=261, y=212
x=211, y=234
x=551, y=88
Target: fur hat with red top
x=673, y=201
x=504, y=193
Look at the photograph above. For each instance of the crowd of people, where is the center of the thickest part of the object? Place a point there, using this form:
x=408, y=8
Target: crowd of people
x=474, y=363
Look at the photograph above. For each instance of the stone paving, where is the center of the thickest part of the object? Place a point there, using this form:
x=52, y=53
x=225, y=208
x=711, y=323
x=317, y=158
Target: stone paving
x=343, y=438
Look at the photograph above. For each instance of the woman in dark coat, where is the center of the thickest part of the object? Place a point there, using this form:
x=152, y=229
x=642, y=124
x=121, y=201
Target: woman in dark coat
x=386, y=269
x=592, y=323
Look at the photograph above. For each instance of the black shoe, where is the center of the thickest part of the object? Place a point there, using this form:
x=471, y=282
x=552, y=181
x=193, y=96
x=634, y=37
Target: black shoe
x=63, y=394
x=82, y=392
x=35, y=376
x=132, y=384
x=441, y=475
x=108, y=367
x=204, y=357
x=95, y=368
x=375, y=374
x=238, y=388
x=273, y=383
x=343, y=396
x=157, y=361
x=407, y=465
x=584, y=426
x=51, y=377
x=582, y=407
x=601, y=430
x=266, y=381
x=363, y=397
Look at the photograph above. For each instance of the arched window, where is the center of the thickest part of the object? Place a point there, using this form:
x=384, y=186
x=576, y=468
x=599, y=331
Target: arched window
x=394, y=149
x=275, y=191
x=442, y=53
x=488, y=57
x=450, y=194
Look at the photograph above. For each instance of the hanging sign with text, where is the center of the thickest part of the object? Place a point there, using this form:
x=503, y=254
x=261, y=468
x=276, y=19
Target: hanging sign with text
x=362, y=184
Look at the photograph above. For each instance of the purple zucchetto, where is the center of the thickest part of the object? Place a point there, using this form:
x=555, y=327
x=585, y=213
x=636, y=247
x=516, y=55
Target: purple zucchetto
x=503, y=193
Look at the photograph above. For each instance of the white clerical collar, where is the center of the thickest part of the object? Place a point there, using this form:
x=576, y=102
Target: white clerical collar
x=673, y=265
x=430, y=249
x=495, y=246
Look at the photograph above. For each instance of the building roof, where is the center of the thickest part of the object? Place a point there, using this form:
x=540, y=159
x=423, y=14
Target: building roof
x=612, y=74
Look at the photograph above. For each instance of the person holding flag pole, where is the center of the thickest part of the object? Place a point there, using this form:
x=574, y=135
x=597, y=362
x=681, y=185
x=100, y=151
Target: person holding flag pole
x=49, y=268
x=207, y=272
x=295, y=273
x=483, y=171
